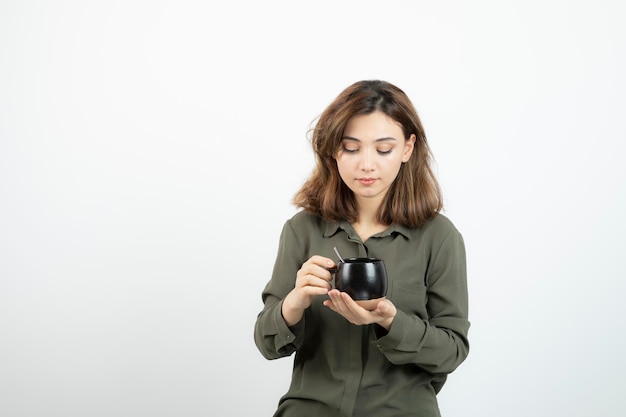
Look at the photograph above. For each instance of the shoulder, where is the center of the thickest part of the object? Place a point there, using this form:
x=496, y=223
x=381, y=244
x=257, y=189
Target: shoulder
x=304, y=230
x=440, y=224
x=444, y=235
x=305, y=221
x=437, y=229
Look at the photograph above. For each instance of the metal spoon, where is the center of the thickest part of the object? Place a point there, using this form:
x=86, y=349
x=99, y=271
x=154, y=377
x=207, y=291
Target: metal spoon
x=337, y=252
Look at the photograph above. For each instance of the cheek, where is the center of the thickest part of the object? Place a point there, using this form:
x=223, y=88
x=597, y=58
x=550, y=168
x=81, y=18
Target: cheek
x=393, y=168
x=341, y=167
x=343, y=163
x=345, y=169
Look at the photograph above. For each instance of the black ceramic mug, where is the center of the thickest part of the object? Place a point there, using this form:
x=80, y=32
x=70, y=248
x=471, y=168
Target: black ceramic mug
x=361, y=278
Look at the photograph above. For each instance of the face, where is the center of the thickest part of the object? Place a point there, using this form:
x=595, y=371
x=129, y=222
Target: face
x=372, y=150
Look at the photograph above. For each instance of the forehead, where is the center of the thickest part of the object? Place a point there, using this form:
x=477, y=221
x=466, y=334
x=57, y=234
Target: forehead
x=373, y=126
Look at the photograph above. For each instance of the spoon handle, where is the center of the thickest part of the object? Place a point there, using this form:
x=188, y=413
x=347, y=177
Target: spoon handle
x=337, y=252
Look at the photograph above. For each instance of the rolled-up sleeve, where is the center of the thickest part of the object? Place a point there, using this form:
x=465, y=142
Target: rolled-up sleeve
x=437, y=343
x=273, y=337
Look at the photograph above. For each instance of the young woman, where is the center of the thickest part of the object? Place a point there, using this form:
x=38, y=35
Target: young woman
x=372, y=194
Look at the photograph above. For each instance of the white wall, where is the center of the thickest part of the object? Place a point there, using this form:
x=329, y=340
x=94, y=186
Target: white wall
x=149, y=151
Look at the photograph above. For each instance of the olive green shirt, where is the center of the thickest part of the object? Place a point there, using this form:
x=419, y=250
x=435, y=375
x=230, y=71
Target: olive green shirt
x=341, y=369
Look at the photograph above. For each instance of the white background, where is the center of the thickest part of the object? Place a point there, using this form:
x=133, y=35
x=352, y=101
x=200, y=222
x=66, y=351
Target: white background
x=149, y=151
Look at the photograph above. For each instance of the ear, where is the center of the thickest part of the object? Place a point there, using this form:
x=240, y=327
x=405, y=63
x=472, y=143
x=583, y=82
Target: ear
x=408, y=148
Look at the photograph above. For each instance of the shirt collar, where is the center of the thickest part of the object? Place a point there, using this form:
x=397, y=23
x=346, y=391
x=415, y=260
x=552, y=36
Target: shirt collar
x=333, y=227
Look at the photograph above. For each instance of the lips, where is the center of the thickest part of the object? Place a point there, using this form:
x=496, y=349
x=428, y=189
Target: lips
x=366, y=181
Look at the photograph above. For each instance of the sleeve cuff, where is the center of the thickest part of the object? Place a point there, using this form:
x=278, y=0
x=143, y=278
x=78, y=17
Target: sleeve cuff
x=403, y=333
x=286, y=337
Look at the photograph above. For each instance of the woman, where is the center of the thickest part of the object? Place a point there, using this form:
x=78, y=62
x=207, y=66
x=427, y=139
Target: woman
x=372, y=194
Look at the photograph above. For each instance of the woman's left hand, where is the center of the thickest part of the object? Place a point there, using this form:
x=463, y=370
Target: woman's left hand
x=341, y=303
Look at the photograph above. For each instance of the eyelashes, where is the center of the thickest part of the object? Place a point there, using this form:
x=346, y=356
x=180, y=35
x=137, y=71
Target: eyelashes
x=353, y=151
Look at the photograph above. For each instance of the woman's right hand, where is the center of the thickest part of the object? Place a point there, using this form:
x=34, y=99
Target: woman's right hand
x=312, y=279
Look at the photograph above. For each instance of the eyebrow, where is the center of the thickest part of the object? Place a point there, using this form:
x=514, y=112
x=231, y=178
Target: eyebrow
x=385, y=139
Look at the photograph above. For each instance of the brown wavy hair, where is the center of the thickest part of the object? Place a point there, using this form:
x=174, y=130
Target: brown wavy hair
x=415, y=195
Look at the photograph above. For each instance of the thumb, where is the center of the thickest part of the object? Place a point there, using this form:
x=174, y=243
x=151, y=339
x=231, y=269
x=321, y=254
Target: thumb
x=383, y=307
x=386, y=308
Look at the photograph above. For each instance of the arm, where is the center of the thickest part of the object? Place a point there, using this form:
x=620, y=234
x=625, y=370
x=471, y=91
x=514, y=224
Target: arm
x=280, y=325
x=438, y=343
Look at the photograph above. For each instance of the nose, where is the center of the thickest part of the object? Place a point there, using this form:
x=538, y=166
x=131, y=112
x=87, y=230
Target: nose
x=367, y=161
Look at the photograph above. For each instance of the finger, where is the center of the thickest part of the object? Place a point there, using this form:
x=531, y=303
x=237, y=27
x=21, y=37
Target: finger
x=357, y=313
x=321, y=261
x=313, y=291
x=329, y=304
x=349, y=302
x=339, y=301
x=385, y=309
x=316, y=270
x=334, y=298
x=310, y=280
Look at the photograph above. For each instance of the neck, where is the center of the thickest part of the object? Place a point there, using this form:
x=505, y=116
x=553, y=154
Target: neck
x=367, y=222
